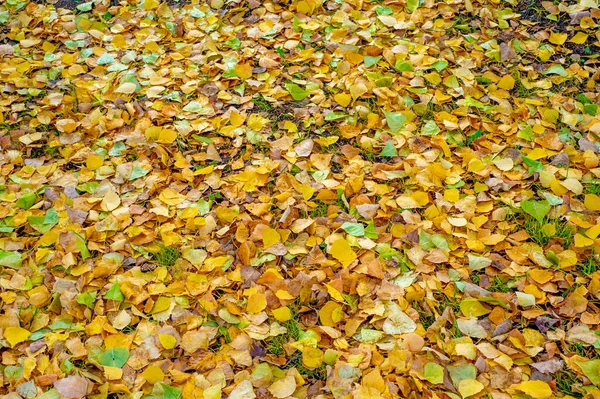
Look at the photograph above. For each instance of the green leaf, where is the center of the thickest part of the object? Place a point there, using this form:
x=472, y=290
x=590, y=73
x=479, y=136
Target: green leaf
x=591, y=369
x=370, y=60
x=170, y=392
x=44, y=223
x=556, y=70
x=403, y=66
x=584, y=99
x=478, y=262
x=10, y=259
x=389, y=150
x=461, y=371
x=114, y=293
x=440, y=242
x=431, y=241
x=591, y=109
x=7, y=225
x=440, y=65
x=355, y=229
x=117, y=149
x=412, y=5
x=395, y=120
x=526, y=134
x=193, y=106
x=87, y=298
x=137, y=172
x=114, y=357
x=537, y=209
x=380, y=10
x=50, y=394
x=83, y=7
x=67, y=325
x=4, y=15
x=430, y=129
x=105, y=59
x=433, y=373
x=26, y=201
x=334, y=116
x=82, y=246
x=532, y=164
x=370, y=231
x=234, y=43
x=296, y=91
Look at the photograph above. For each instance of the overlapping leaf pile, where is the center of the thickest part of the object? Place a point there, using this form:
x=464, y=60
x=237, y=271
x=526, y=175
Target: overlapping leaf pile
x=342, y=199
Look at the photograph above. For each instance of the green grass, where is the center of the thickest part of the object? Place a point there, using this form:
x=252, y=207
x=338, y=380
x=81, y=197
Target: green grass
x=275, y=345
x=426, y=317
x=533, y=227
x=520, y=90
x=593, y=188
x=316, y=374
x=166, y=256
x=499, y=285
x=261, y=103
x=584, y=351
x=319, y=211
x=588, y=267
x=565, y=380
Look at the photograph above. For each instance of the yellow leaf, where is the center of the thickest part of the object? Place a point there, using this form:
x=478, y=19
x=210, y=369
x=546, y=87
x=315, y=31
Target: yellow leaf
x=110, y=202
x=153, y=374
x=150, y=4
x=15, y=335
x=592, y=202
x=549, y=229
x=582, y=241
x=113, y=373
x=126, y=88
x=236, y=119
x=469, y=387
x=471, y=307
x=335, y=294
x=167, y=341
x=290, y=126
x=161, y=304
x=342, y=99
x=283, y=294
x=504, y=164
x=452, y=195
x=166, y=136
x=282, y=314
x=507, y=82
x=93, y=162
x=270, y=237
x=283, y=388
x=573, y=185
x=541, y=276
x=312, y=357
x=558, y=38
x=342, y=251
x=257, y=122
x=357, y=90
x=244, y=71
x=579, y=38
x=330, y=314
x=256, y=303
x=303, y=7
x=593, y=232
x=327, y=141
x=171, y=197
x=536, y=389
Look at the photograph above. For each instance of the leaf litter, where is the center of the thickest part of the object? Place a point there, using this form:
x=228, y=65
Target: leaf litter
x=367, y=199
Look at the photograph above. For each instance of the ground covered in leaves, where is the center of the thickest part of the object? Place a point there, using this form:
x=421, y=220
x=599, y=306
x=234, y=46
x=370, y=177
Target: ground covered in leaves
x=342, y=199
